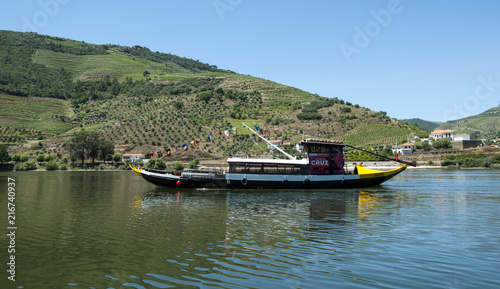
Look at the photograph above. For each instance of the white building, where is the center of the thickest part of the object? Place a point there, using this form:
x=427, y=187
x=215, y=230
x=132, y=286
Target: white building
x=461, y=137
x=440, y=134
x=130, y=158
x=276, y=142
x=405, y=149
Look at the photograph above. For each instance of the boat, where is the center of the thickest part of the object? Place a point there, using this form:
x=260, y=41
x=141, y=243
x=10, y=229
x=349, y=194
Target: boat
x=323, y=168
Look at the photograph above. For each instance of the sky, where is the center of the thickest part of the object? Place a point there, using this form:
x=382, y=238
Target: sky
x=435, y=60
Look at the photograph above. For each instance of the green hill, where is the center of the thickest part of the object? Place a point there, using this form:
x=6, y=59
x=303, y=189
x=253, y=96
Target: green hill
x=483, y=125
x=426, y=125
x=148, y=101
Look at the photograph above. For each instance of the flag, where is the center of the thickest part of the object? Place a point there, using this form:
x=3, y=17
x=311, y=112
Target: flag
x=257, y=128
x=265, y=130
x=209, y=138
x=184, y=147
x=219, y=133
x=234, y=130
x=169, y=153
x=226, y=133
x=159, y=153
x=198, y=140
x=193, y=144
x=177, y=148
x=277, y=130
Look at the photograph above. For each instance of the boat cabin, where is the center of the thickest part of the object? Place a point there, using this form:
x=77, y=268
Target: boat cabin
x=268, y=166
x=325, y=157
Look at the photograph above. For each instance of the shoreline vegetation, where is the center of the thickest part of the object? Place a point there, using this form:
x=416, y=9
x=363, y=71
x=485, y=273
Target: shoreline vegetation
x=383, y=165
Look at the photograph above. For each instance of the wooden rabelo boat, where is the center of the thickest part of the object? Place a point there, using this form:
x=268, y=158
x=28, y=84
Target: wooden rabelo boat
x=323, y=168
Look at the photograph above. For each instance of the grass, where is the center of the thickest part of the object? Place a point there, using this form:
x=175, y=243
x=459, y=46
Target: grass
x=35, y=113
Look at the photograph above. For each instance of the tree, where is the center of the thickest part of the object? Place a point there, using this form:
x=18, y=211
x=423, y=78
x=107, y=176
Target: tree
x=106, y=150
x=117, y=158
x=146, y=74
x=77, y=145
x=179, y=104
x=4, y=154
x=93, y=145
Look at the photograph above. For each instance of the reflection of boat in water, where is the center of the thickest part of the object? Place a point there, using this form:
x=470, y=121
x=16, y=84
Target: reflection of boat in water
x=324, y=167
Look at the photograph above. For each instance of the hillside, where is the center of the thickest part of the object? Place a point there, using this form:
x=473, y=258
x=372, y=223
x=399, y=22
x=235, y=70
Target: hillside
x=483, y=125
x=426, y=125
x=149, y=101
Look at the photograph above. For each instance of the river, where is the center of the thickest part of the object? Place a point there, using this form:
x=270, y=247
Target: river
x=422, y=229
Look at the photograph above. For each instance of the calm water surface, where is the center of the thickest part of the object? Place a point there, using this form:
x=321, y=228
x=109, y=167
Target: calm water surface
x=423, y=229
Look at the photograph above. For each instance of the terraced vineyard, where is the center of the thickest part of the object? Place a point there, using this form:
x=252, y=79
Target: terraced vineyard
x=376, y=134
x=149, y=101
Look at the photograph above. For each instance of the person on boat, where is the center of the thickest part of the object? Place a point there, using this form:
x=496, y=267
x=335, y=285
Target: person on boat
x=332, y=165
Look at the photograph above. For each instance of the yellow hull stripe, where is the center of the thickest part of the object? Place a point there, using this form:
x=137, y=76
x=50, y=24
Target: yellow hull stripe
x=369, y=173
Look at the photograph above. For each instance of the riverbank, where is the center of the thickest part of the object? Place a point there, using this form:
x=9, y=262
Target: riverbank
x=376, y=165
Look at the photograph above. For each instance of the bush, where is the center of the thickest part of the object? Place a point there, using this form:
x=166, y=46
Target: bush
x=178, y=166
x=51, y=165
x=155, y=163
x=27, y=166
x=193, y=163
x=24, y=158
x=40, y=158
x=48, y=158
x=63, y=167
x=442, y=144
x=117, y=157
x=15, y=158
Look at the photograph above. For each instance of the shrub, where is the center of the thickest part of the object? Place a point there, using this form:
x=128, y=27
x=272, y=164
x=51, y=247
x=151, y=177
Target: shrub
x=178, y=166
x=48, y=158
x=309, y=116
x=156, y=163
x=442, y=144
x=15, y=158
x=27, y=166
x=193, y=163
x=117, y=157
x=51, y=165
x=40, y=158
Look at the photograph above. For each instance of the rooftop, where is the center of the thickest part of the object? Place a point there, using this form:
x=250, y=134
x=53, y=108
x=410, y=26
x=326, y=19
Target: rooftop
x=441, y=131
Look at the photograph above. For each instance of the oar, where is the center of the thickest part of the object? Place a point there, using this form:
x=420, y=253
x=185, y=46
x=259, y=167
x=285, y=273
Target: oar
x=384, y=157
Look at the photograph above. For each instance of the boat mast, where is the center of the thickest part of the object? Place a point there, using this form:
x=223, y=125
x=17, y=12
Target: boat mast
x=282, y=151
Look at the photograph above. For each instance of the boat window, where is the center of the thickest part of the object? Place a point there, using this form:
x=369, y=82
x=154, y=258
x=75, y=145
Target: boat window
x=268, y=169
x=324, y=149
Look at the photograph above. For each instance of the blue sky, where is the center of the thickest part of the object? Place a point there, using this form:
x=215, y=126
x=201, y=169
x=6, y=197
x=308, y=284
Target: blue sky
x=437, y=60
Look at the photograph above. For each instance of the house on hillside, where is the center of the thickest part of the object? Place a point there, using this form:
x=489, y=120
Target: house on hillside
x=131, y=158
x=276, y=142
x=405, y=149
x=441, y=134
x=461, y=137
